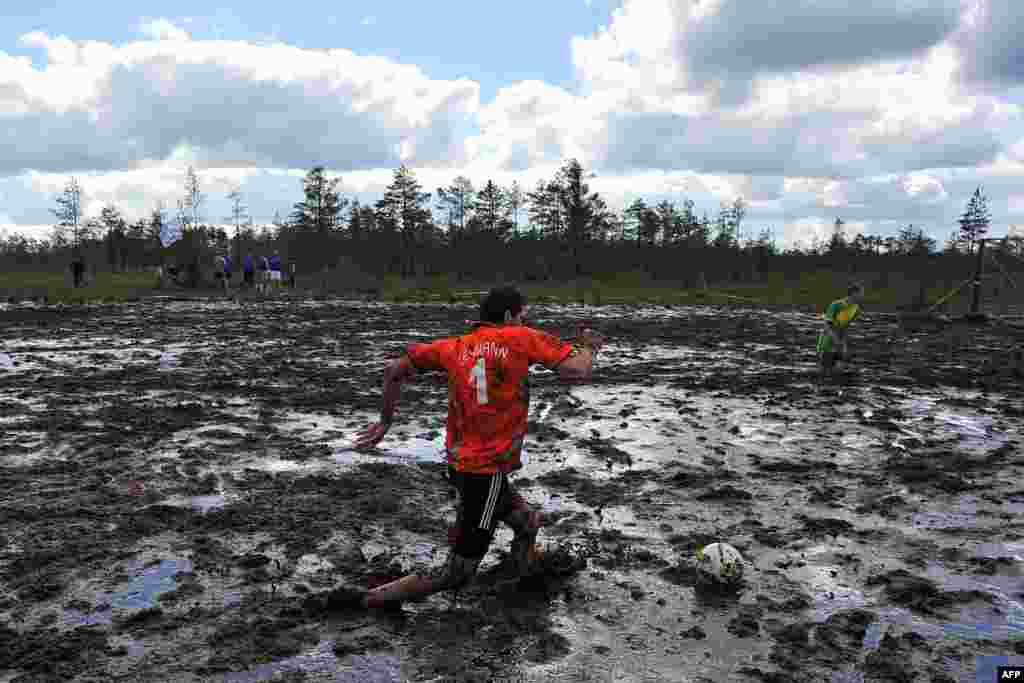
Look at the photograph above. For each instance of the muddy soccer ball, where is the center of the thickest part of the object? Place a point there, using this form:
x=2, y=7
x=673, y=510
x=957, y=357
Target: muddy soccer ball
x=720, y=562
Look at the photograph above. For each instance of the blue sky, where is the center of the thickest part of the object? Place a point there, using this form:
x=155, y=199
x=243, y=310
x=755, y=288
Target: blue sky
x=876, y=112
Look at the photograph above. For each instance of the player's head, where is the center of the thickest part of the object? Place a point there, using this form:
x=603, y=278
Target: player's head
x=855, y=292
x=503, y=305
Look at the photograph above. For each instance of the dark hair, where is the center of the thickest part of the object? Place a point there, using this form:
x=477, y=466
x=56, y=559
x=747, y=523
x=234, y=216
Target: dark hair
x=499, y=301
x=854, y=289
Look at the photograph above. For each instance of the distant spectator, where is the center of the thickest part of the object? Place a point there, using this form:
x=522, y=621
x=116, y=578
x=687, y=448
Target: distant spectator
x=275, y=270
x=292, y=277
x=263, y=266
x=77, y=271
x=248, y=270
x=228, y=268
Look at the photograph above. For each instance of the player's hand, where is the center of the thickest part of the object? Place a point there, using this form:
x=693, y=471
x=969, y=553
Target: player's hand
x=371, y=436
x=588, y=337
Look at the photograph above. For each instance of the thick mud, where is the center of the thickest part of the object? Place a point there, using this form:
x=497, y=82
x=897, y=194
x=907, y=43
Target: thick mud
x=177, y=496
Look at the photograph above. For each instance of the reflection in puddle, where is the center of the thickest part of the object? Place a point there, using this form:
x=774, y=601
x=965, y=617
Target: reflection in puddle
x=1013, y=551
x=944, y=520
x=169, y=360
x=976, y=434
x=201, y=504
x=152, y=582
x=873, y=635
x=73, y=618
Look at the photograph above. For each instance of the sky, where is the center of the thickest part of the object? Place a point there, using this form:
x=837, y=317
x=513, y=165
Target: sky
x=880, y=113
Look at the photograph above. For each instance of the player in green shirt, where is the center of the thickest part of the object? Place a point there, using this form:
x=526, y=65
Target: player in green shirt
x=832, y=343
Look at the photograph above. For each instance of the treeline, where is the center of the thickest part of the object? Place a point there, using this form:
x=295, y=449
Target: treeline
x=558, y=230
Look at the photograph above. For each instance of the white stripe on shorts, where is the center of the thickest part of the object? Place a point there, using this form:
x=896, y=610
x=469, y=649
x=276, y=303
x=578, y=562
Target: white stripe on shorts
x=492, y=500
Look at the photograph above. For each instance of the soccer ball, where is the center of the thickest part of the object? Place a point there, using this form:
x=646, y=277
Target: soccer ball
x=720, y=562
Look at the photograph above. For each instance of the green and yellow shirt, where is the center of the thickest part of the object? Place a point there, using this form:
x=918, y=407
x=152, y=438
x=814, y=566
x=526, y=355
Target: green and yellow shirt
x=839, y=315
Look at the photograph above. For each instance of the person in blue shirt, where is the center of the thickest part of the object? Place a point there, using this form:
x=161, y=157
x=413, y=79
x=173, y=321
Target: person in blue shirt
x=275, y=271
x=248, y=270
x=228, y=267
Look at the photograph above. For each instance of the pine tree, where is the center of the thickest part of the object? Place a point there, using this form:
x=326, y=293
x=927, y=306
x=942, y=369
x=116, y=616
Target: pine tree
x=975, y=220
x=630, y=222
x=158, y=230
x=114, y=226
x=404, y=210
x=913, y=241
x=837, y=243
x=725, y=234
x=644, y=222
x=670, y=232
x=490, y=209
x=546, y=210
x=322, y=204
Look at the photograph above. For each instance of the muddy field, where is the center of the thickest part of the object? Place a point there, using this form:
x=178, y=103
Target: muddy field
x=176, y=495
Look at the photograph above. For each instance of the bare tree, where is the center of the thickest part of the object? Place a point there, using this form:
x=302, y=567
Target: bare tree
x=239, y=215
x=194, y=198
x=69, y=211
x=516, y=198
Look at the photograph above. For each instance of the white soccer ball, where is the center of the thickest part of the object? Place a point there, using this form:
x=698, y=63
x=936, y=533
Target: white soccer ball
x=720, y=562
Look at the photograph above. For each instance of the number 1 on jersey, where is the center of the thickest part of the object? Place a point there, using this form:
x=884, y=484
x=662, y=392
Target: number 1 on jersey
x=479, y=377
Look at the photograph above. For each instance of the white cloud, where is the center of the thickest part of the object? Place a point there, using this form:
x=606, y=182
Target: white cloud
x=162, y=29
x=369, y=21
x=101, y=106
x=806, y=232
x=882, y=114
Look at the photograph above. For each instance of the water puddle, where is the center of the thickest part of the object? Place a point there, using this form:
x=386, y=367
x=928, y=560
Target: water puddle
x=408, y=452
x=168, y=360
x=201, y=504
x=944, y=520
x=149, y=584
x=72, y=618
x=964, y=517
x=1012, y=551
x=976, y=434
x=325, y=665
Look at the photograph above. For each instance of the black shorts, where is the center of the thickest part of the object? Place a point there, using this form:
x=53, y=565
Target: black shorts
x=248, y=276
x=483, y=500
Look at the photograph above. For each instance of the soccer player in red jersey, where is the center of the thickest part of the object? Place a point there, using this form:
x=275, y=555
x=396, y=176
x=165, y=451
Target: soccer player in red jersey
x=488, y=401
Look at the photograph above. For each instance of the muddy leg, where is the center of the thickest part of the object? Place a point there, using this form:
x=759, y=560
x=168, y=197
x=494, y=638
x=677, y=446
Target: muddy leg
x=456, y=572
x=525, y=523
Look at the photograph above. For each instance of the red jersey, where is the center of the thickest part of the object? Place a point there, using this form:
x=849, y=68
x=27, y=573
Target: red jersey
x=488, y=391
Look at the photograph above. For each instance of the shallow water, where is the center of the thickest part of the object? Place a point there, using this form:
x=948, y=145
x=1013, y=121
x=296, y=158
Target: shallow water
x=148, y=584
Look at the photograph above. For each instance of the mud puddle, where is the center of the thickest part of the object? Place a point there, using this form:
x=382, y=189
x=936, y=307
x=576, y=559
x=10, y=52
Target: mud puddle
x=194, y=471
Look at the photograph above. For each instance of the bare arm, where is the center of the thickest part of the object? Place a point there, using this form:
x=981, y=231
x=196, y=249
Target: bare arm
x=395, y=373
x=580, y=365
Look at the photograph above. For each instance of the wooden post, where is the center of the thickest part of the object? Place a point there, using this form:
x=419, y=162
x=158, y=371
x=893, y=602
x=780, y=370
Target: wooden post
x=978, y=272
